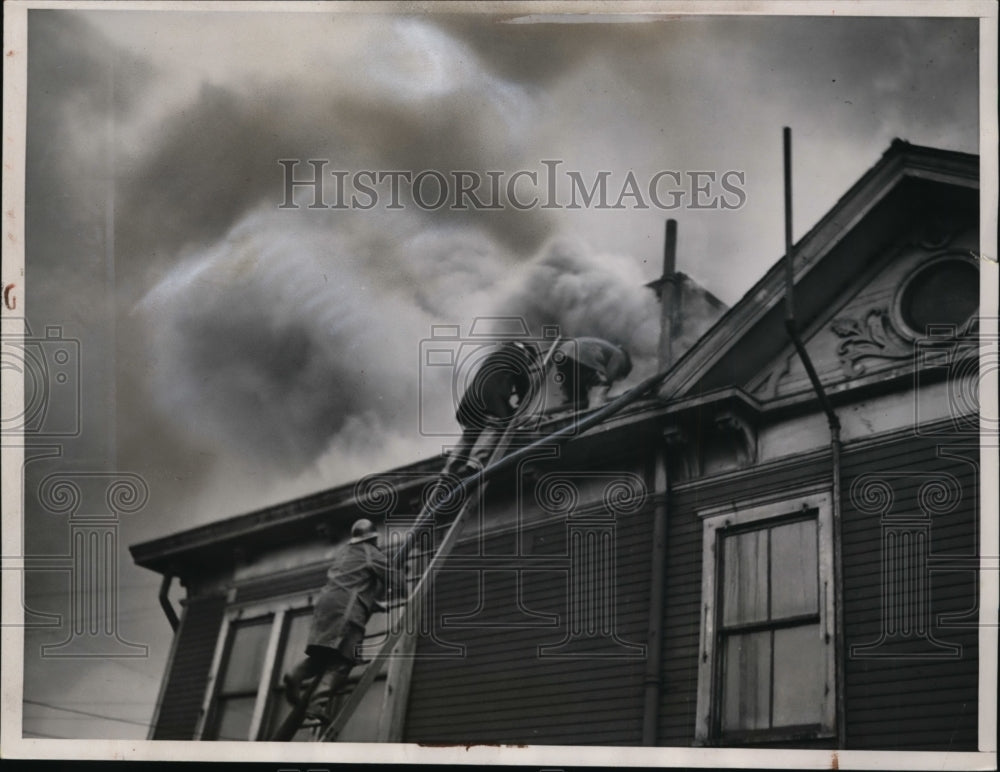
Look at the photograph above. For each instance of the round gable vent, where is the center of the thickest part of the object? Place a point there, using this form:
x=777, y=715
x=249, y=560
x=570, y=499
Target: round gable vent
x=944, y=291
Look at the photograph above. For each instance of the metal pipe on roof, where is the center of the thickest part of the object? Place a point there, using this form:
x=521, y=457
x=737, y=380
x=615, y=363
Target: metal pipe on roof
x=668, y=296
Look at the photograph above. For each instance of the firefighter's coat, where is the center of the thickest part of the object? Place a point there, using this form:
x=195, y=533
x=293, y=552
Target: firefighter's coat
x=357, y=578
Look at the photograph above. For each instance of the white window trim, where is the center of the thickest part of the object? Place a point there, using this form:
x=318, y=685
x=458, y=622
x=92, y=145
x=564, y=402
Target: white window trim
x=750, y=511
x=277, y=608
x=395, y=684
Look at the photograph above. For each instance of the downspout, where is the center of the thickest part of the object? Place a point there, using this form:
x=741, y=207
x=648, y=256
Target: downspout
x=165, y=603
x=835, y=445
x=653, y=679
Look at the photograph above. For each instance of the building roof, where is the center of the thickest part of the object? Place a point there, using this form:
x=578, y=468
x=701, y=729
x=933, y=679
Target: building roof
x=716, y=367
x=752, y=332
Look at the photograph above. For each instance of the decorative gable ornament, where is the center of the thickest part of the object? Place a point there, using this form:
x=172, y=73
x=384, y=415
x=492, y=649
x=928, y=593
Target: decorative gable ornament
x=872, y=337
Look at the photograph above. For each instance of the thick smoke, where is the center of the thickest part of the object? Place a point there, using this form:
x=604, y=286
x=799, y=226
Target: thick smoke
x=285, y=351
x=587, y=294
x=259, y=355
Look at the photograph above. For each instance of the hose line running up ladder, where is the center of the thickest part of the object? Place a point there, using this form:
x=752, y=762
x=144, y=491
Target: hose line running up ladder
x=500, y=460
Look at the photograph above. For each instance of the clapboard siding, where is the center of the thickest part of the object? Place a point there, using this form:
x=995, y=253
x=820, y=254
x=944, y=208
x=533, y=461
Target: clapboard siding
x=910, y=702
x=889, y=704
x=185, y=688
x=923, y=705
x=682, y=615
x=503, y=690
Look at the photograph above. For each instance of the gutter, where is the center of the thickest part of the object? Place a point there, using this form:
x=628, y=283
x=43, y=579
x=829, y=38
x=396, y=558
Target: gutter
x=835, y=446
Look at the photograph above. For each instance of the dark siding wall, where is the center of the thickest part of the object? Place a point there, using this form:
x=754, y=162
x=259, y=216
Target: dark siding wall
x=185, y=689
x=198, y=635
x=914, y=703
x=905, y=699
x=682, y=623
x=501, y=690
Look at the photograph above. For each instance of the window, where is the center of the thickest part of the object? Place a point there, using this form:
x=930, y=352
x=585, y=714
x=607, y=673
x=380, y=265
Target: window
x=237, y=694
x=292, y=650
x=256, y=646
x=766, y=670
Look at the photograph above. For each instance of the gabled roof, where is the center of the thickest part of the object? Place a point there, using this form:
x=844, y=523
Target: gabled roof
x=272, y=526
x=908, y=182
x=716, y=368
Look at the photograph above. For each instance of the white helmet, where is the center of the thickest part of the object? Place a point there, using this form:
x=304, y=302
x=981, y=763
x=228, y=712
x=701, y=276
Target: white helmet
x=363, y=530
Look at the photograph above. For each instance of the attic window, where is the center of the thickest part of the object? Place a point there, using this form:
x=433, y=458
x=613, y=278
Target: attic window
x=942, y=292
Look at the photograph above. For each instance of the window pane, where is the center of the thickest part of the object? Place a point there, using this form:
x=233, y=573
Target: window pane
x=246, y=655
x=799, y=676
x=745, y=578
x=233, y=718
x=747, y=684
x=794, y=573
x=296, y=636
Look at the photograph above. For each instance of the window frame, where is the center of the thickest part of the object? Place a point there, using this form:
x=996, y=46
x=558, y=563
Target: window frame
x=761, y=512
x=274, y=622
x=277, y=609
x=280, y=611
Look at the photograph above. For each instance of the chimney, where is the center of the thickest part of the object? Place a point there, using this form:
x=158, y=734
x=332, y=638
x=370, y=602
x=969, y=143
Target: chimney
x=667, y=289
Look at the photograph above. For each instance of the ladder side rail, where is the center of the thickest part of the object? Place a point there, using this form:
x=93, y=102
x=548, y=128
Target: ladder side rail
x=430, y=509
x=479, y=478
x=411, y=610
x=409, y=621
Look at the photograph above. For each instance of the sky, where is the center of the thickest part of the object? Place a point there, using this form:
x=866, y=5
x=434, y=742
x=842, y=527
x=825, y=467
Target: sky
x=234, y=353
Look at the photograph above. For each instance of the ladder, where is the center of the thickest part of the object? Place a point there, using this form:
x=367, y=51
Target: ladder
x=412, y=605
x=500, y=460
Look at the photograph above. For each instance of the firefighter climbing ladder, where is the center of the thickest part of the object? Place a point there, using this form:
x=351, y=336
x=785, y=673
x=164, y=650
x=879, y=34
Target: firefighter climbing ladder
x=500, y=459
x=412, y=605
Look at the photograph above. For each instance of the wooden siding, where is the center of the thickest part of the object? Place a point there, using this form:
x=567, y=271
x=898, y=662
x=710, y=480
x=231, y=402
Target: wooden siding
x=682, y=620
x=185, y=689
x=902, y=702
x=890, y=703
x=502, y=690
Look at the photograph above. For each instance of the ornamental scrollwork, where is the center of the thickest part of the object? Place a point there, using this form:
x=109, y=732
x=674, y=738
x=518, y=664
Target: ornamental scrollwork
x=871, y=337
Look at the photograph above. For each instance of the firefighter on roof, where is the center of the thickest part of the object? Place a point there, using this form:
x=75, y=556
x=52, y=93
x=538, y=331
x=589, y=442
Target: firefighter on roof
x=505, y=381
x=588, y=367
